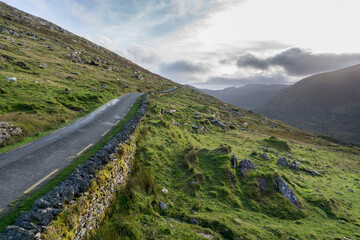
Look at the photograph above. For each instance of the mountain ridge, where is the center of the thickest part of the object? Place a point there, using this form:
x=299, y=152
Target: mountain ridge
x=249, y=96
x=328, y=103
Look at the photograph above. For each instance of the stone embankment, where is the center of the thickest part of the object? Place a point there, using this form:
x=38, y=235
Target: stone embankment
x=90, y=189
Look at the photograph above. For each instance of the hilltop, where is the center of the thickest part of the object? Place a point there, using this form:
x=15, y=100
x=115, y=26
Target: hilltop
x=328, y=103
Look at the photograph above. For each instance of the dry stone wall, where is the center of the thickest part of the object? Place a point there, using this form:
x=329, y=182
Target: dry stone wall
x=79, y=203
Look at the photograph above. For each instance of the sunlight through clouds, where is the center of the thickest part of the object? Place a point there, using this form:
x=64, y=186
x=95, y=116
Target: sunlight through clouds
x=217, y=35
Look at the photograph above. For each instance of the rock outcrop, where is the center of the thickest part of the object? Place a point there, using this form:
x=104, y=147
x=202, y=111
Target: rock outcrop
x=285, y=190
x=265, y=156
x=233, y=161
x=245, y=166
x=282, y=162
x=8, y=130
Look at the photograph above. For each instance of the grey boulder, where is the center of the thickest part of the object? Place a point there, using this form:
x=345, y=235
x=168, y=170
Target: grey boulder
x=285, y=190
x=282, y=162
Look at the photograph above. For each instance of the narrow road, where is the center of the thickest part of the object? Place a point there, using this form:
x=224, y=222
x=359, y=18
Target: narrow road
x=32, y=165
x=169, y=90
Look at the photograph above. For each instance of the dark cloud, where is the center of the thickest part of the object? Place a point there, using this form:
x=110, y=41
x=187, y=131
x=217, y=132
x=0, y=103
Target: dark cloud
x=250, y=60
x=301, y=62
x=278, y=78
x=183, y=67
x=231, y=55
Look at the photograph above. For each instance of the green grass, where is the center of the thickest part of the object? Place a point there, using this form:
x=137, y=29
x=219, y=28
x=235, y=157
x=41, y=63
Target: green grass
x=195, y=168
x=25, y=203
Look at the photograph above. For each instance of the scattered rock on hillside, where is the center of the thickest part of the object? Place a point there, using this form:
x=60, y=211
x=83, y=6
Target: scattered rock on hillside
x=193, y=221
x=210, y=118
x=22, y=65
x=294, y=165
x=75, y=73
x=244, y=167
x=93, y=63
x=282, y=162
x=284, y=189
x=165, y=191
x=234, y=161
x=175, y=123
x=31, y=34
x=219, y=123
x=162, y=206
x=8, y=130
x=42, y=65
x=6, y=57
x=311, y=171
x=264, y=156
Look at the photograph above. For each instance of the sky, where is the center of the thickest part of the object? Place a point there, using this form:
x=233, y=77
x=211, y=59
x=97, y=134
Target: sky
x=216, y=43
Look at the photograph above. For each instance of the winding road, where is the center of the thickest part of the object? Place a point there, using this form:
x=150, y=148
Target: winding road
x=30, y=166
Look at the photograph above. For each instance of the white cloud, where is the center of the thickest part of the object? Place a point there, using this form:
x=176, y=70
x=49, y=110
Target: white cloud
x=213, y=34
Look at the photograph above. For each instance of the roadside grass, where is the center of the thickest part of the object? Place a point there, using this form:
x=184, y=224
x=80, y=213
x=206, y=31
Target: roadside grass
x=25, y=203
x=195, y=169
x=48, y=128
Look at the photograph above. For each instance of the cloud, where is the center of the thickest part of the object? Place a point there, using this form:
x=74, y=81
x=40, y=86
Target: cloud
x=183, y=71
x=143, y=54
x=250, y=60
x=300, y=62
x=183, y=66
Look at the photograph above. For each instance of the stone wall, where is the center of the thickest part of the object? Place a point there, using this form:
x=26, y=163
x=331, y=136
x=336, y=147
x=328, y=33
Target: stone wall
x=79, y=203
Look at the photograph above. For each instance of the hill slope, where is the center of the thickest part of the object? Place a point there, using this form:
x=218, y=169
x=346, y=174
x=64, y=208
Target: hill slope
x=248, y=97
x=190, y=156
x=60, y=76
x=327, y=103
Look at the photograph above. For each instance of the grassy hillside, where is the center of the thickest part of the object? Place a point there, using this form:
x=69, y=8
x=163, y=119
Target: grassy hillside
x=183, y=152
x=248, y=97
x=60, y=76
x=327, y=103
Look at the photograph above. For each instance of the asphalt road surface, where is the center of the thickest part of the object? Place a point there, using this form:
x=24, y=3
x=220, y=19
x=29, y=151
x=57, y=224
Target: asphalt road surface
x=29, y=167
x=169, y=90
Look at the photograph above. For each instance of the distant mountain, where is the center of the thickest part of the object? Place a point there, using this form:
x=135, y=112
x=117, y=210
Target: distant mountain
x=327, y=103
x=248, y=97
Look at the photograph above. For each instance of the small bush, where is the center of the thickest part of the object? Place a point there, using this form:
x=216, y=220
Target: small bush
x=277, y=143
x=190, y=157
x=253, y=153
